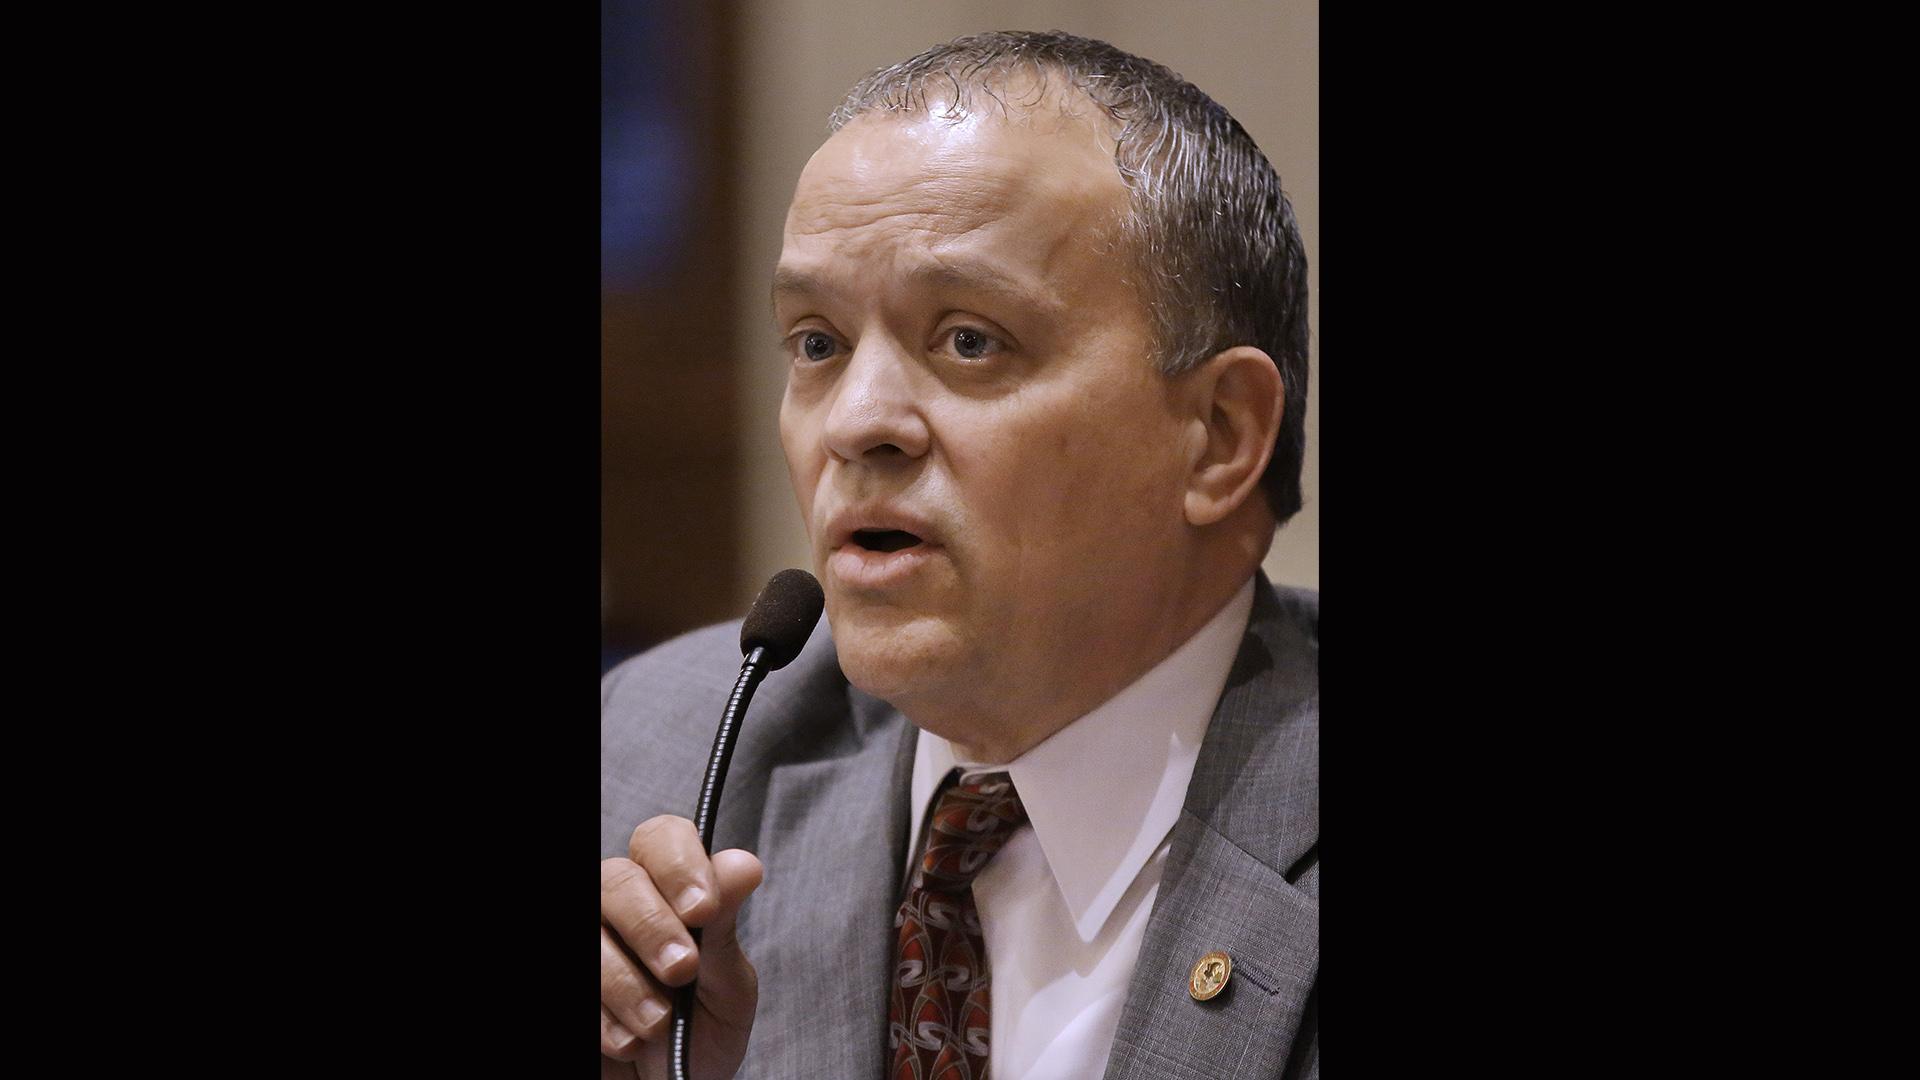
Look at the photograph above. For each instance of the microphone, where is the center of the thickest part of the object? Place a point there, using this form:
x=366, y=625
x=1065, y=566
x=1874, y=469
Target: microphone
x=775, y=630
x=782, y=618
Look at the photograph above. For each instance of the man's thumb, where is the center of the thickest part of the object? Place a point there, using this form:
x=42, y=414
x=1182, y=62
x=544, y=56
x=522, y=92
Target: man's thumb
x=737, y=873
x=729, y=987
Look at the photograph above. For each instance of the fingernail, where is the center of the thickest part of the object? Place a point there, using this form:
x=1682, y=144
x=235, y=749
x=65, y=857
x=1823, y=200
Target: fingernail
x=692, y=896
x=618, y=1035
x=673, y=954
x=651, y=1011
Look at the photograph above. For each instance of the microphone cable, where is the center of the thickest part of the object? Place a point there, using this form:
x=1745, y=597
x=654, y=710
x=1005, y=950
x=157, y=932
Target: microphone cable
x=775, y=630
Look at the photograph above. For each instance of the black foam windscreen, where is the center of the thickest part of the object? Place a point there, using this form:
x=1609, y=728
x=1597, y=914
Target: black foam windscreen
x=782, y=617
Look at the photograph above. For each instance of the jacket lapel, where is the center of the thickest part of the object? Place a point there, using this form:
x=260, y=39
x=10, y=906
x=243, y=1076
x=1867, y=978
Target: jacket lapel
x=830, y=891
x=1241, y=874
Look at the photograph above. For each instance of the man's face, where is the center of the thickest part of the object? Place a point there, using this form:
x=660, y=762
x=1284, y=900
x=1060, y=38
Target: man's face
x=989, y=464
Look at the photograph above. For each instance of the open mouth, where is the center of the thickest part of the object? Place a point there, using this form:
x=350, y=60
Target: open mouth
x=884, y=539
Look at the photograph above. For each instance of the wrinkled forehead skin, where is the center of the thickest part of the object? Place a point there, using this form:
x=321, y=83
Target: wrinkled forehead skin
x=1035, y=185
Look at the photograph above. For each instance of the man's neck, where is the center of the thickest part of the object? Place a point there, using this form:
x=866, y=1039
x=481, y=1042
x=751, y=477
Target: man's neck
x=1017, y=722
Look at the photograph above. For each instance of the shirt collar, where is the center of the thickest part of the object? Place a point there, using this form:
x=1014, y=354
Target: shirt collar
x=1102, y=792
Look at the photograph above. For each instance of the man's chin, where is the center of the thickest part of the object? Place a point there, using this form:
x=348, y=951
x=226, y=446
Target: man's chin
x=895, y=659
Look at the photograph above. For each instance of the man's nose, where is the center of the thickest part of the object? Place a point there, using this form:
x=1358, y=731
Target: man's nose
x=876, y=411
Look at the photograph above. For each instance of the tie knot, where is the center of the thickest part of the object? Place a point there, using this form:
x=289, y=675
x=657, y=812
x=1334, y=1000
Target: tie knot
x=970, y=823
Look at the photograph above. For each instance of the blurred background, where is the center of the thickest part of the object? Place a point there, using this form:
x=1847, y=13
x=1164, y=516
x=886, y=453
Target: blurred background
x=708, y=113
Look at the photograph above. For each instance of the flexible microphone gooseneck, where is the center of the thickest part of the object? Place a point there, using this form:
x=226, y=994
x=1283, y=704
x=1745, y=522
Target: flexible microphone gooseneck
x=776, y=629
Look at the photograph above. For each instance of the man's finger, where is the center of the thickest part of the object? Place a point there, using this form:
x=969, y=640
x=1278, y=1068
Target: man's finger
x=634, y=1008
x=669, y=848
x=631, y=905
x=615, y=1040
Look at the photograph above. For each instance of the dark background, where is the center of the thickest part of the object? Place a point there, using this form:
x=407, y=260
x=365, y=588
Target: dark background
x=669, y=529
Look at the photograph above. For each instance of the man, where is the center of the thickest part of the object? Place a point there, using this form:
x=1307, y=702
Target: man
x=1042, y=797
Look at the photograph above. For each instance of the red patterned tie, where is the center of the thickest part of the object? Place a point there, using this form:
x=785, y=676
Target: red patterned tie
x=937, y=1024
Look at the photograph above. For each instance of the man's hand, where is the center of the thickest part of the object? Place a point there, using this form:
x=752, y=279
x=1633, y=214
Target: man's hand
x=647, y=902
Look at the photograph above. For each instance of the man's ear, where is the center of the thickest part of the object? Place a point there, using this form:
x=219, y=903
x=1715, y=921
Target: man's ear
x=1237, y=400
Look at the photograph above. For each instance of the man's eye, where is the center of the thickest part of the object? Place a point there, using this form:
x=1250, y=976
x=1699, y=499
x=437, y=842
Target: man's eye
x=971, y=344
x=816, y=346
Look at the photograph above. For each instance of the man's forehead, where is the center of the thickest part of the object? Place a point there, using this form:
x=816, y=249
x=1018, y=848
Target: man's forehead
x=1001, y=202
x=934, y=151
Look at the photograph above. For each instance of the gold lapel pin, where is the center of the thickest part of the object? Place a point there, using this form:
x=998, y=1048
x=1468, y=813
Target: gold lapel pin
x=1209, y=976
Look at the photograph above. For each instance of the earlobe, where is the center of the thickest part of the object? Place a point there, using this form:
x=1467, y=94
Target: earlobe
x=1241, y=399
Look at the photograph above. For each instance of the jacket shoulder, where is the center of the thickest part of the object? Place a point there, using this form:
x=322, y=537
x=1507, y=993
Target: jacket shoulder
x=1301, y=607
x=659, y=712
x=670, y=671
x=1257, y=781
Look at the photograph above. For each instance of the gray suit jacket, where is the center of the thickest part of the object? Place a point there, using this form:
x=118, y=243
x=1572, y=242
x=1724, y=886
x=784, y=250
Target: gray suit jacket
x=818, y=789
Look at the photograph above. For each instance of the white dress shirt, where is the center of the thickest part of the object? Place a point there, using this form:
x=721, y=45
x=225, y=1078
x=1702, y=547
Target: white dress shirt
x=1064, y=904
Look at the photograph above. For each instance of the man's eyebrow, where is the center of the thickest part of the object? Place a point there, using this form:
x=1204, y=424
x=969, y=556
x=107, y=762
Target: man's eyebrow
x=971, y=277
x=981, y=278
x=789, y=281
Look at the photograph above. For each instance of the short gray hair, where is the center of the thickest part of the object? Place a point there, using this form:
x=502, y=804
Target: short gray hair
x=1210, y=230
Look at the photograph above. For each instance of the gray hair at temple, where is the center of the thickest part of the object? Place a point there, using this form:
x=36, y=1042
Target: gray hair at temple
x=1210, y=231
